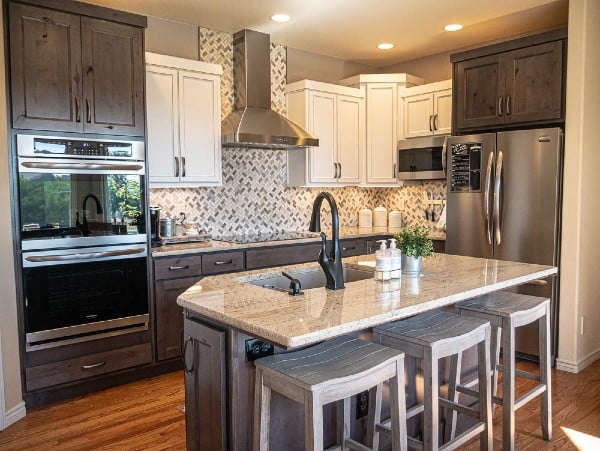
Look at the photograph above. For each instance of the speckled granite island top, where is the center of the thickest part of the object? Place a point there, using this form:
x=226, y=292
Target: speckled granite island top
x=318, y=314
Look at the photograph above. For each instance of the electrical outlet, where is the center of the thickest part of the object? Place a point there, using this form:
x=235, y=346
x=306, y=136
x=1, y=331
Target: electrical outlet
x=581, y=323
x=401, y=205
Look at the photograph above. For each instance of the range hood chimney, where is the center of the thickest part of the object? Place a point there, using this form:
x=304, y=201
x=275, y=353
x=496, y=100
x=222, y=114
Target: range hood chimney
x=252, y=123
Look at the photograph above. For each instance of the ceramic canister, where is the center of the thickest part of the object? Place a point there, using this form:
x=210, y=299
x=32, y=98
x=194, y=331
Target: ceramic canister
x=380, y=216
x=395, y=219
x=365, y=218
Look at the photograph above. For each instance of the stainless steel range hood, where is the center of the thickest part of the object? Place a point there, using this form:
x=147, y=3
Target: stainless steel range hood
x=253, y=123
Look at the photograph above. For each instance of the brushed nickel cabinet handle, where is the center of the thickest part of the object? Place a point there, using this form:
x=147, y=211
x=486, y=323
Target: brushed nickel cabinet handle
x=77, y=109
x=226, y=262
x=187, y=368
x=508, y=102
x=430, y=123
x=499, y=107
x=183, y=166
x=88, y=111
x=339, y=170
x=351, y=248
x=177, y=268
x=176, y=166
x=93, y=365
x=394, y=171
x=435, y=122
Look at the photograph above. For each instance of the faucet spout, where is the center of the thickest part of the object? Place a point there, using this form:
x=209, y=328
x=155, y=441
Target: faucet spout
x=332, y=263
x=84, y=227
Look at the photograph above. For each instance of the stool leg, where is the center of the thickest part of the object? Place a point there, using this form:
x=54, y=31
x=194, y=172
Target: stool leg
x=262, y=412
x=313, y=423
x=374, y=416
x=508, y=384
x=343, y=422
x=398, y=409
x=546, y=398
x=495, y=360
x=453, y=381
x=485, y=393
x=431, y=401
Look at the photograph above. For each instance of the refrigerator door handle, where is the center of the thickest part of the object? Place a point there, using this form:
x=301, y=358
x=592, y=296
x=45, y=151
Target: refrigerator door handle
x=486, y=198
x=497, y=201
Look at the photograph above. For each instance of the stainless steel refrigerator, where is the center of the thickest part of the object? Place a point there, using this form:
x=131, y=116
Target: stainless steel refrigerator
x=504, y=202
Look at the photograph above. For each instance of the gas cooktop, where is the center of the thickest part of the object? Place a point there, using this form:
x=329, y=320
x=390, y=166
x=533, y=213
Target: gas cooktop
x=264, y=236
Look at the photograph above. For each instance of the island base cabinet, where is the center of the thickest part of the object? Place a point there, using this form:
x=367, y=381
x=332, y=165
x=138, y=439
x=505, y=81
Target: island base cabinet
x=204, y=366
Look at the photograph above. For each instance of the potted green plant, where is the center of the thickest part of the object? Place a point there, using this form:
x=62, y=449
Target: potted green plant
x=414, y=244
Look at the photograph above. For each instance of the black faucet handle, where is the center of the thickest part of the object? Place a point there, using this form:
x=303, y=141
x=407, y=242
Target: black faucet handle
x=295, y=285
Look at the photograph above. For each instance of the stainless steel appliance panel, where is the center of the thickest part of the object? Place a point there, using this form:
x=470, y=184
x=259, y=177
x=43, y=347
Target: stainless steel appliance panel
x=527, y=189
x=467, y=225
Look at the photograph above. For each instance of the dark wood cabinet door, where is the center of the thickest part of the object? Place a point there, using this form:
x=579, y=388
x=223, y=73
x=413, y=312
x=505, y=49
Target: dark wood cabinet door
x=534, y=79
x=113, y=78
x=205, y=387
x=169, y=316
x=45, y=62
x=478, y=89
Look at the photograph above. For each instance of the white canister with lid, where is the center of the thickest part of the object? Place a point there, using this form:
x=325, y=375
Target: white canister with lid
x=380, y=216
x=365, y=218
x=395, y=219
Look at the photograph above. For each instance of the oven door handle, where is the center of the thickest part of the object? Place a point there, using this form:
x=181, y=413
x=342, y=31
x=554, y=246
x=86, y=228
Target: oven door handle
x=83, y=255
x=83, y=166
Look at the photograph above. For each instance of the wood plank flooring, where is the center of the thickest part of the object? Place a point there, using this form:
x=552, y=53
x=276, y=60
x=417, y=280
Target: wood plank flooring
x=143, y=416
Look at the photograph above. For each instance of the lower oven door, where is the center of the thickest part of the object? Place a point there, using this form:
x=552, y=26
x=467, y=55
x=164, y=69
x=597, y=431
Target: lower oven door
x=82, y=294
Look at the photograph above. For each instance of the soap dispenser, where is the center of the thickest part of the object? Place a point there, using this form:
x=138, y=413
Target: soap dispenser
x=395, y=259
x=382, y=262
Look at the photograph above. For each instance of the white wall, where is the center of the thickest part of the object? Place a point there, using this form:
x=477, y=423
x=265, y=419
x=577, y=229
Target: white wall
x=580, y=284
x=14, y=407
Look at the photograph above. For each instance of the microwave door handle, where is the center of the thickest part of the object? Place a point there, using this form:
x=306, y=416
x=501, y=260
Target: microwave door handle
x=486, y=198
x=497, y=198
x=444, y=154
x=82, y=255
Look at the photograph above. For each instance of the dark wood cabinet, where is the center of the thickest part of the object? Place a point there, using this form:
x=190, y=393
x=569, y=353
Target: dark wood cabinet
x=75, y=74
x=205, y=387
x=520, y=82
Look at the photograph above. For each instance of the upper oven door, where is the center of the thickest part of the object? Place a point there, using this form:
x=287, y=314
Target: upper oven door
x=67, y=202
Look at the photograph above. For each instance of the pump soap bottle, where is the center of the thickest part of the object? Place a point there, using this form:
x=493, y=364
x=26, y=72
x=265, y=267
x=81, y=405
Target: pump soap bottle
x=382, y=262
x=395, y=259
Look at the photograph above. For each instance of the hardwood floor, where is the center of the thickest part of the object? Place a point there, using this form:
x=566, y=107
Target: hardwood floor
x=144, y=416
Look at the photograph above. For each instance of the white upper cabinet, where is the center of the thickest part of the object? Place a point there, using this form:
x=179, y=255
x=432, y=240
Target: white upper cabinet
x=183, y=104
x=382, y=119
x=334, y=114
x=427, y=109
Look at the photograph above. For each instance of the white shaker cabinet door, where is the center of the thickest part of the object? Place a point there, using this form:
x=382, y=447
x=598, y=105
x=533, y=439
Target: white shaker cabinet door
x=418, y=115
x=443, y=112
x=350, y=139
x=322, y=119
x=381, y=133
x=199, y=127
x=162, y=122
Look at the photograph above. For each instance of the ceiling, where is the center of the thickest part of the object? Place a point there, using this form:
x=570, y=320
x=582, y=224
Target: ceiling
x=351, y=29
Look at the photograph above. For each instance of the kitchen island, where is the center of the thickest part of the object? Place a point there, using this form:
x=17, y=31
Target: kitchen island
x=229, y=321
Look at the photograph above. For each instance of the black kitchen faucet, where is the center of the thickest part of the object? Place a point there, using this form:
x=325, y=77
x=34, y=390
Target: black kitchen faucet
x=332, y=263
x=84, y=228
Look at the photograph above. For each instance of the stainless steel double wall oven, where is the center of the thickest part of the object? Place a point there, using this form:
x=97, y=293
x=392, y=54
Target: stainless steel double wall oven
x=83, y=238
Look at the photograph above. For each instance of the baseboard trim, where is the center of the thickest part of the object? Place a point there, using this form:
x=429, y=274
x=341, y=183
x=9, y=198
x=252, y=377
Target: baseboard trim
x=15, y=414
x=576, y=367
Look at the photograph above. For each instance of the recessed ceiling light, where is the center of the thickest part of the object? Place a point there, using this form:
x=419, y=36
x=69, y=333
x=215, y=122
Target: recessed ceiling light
x=280, y=18
x=453, y=27
x=385, y=46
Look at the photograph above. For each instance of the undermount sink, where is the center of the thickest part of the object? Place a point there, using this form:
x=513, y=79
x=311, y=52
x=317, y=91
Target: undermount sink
x=309, y=279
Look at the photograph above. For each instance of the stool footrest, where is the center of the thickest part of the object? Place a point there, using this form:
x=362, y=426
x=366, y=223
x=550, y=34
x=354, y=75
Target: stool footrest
x=413, y=443
x=537, y=391
x=521, y=373
x=467, y=391
x=459, y=408
x=355, y=446
x=414, y=410
x=464, y=437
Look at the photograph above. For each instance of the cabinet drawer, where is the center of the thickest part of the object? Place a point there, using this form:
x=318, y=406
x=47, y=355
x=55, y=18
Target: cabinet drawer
x=222, y=262
x=87, y=366
x=282, y=255
x=350, y=248
x=176, y=267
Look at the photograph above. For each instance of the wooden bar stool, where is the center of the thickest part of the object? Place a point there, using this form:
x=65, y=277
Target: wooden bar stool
x=507, y=311
x=431, y=336
x=331, y=371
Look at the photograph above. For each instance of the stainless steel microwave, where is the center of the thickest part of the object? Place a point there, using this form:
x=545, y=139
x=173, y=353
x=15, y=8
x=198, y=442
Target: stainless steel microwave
x=421, y=158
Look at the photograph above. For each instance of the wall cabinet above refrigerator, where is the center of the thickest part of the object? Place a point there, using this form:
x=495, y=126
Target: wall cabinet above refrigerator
x=335, y=115
x=183, y=104
x=73, y=73
x=515, y=83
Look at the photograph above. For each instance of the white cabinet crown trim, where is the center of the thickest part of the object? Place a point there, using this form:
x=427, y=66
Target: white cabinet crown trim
x=157, y=59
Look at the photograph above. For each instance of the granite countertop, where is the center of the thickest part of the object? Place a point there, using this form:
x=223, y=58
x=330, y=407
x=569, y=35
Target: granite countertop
x=319, y=314
x=215, y=246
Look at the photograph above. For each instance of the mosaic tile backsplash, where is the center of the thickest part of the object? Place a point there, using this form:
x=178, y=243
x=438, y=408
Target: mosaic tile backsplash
x=254, y=196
